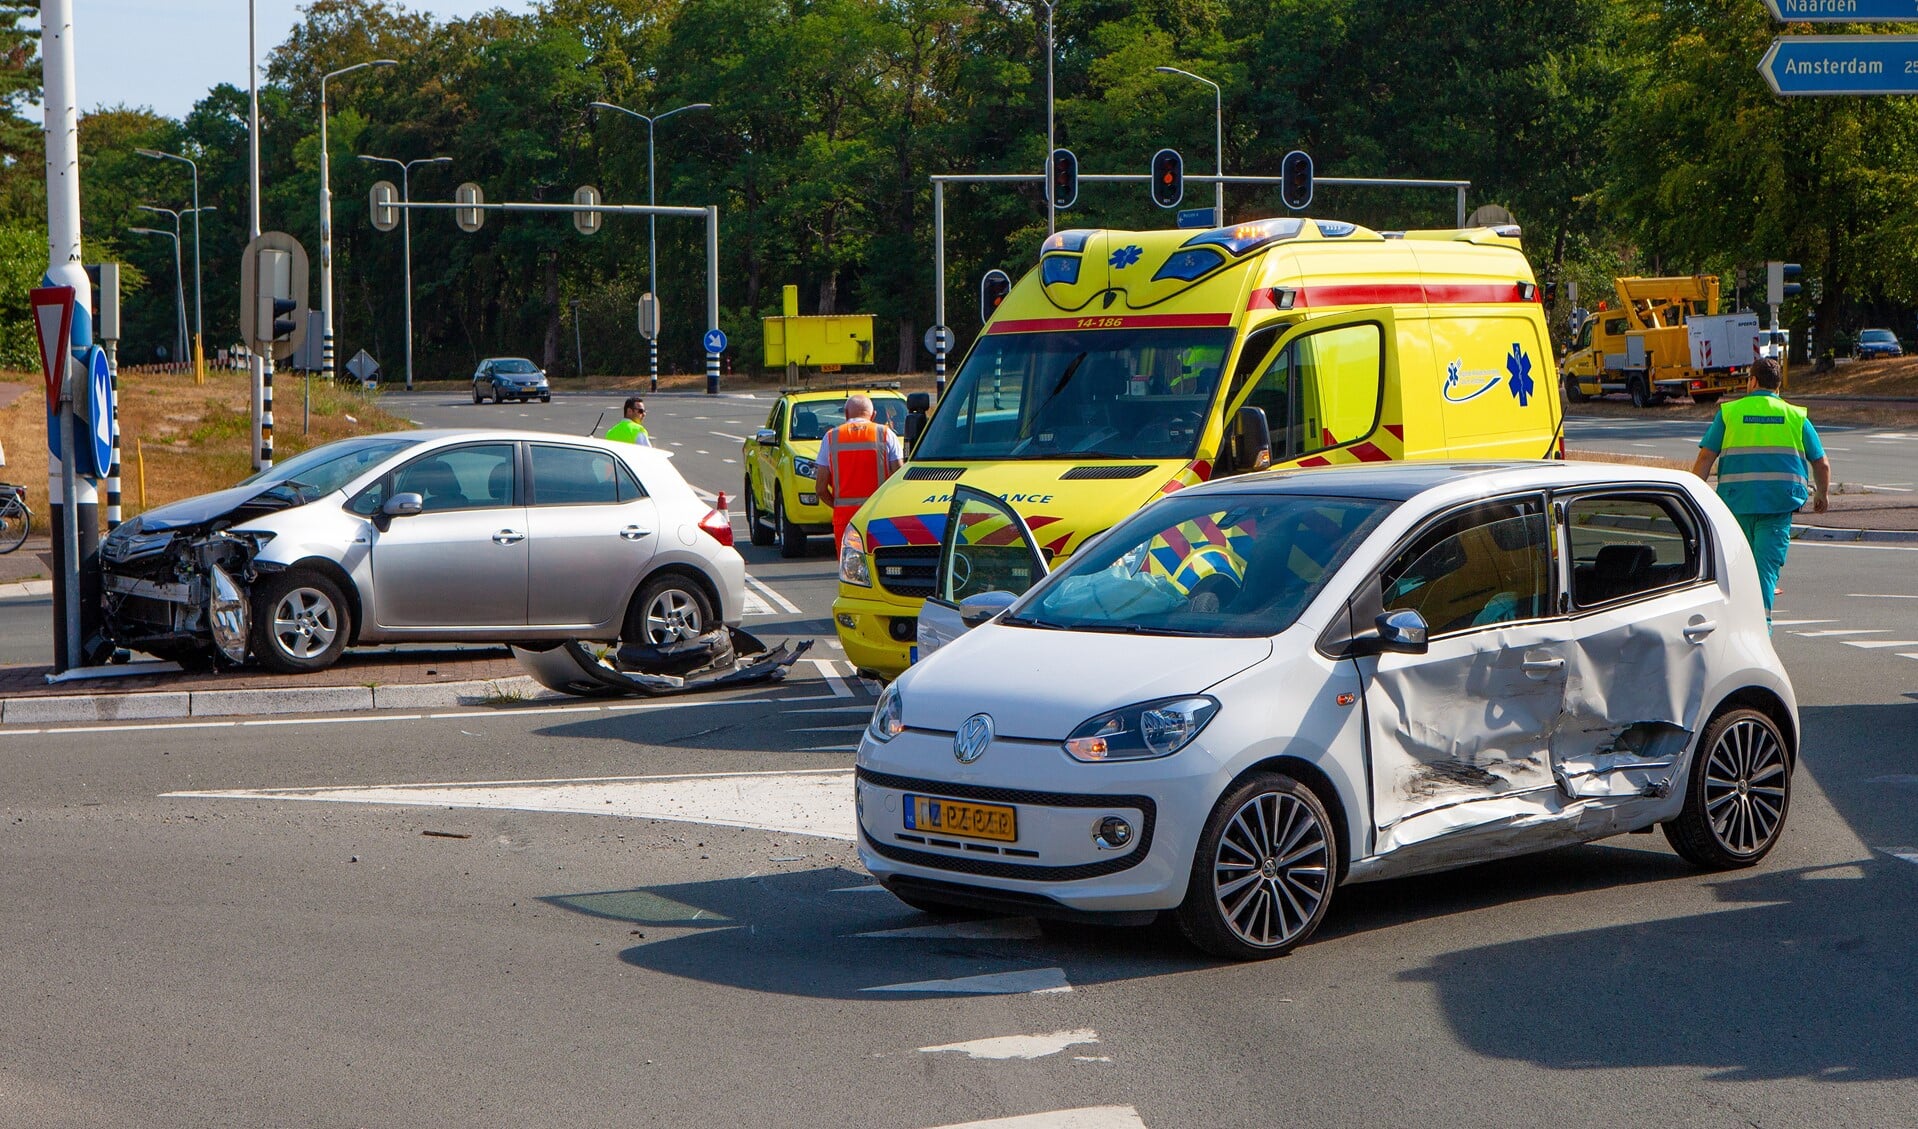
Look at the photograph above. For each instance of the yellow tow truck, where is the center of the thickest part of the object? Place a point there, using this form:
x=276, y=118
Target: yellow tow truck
x=1665, y=338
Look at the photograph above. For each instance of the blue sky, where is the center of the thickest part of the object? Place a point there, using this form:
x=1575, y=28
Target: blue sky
x=166, y=54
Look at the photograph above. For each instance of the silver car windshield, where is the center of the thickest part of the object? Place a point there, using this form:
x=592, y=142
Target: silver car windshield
x=1211, y=564
x=324, y=469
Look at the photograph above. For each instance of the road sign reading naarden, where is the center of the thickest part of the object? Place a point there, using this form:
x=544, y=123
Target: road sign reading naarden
x=1843, y=11
x=1842, y=64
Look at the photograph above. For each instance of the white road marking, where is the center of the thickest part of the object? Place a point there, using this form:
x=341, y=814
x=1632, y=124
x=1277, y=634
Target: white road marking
x=1881, y=596
x=1873, y=644
x=1908, y=654
x=1882, y=486
x=1087, y=1117
x=857, y=709
x=1018, y=1046
x=756, y=606
x=1024, y=982
x=336, y=720
x=804, y=803
x=829, y=670
x=828, y=749
x=766, y=590
x=1909, y=854
x=1797, y=622
x=869, y=888
x=702, y=452
x=990, y=929
x=858, y=728
x=729, y=460
x=723, y=435
x=1829, y=632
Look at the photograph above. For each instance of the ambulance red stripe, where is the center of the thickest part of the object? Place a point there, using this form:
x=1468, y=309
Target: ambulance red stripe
x=1112, y=321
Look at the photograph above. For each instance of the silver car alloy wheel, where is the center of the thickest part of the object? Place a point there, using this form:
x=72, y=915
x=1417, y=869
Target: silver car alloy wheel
x=1269, y=876
x=1745, y=787
x=305, y=623
x=672, y=616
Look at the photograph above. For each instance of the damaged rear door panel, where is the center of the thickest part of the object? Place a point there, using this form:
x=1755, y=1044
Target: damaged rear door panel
x=1646, y=612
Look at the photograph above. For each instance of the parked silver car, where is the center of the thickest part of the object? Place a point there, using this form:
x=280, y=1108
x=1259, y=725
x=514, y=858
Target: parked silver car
x=426, y=536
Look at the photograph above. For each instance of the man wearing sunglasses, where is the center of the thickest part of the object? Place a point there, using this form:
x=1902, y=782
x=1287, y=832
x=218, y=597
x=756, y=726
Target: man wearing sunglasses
x=632, y=429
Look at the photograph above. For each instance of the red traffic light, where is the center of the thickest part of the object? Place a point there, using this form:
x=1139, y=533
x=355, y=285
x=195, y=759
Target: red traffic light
x=1168, y=178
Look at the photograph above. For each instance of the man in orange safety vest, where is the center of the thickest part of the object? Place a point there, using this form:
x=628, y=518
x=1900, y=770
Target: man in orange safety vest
x=854, y=458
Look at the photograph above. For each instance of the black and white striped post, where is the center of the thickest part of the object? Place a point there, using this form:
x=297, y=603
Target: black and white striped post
x=266, y=406
x=652, y=362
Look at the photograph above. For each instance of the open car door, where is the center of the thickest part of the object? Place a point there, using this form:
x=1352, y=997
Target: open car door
x=987, y=559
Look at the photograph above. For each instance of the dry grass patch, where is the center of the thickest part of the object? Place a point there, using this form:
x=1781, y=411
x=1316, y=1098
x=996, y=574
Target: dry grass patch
x=196, y=436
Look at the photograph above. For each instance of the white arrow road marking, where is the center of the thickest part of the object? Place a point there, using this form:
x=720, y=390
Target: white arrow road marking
x=805, y=803
x=1090, y=1117
x=1019, y=1046
x=1873, y=643
x=1031, y=980
x=990, y=929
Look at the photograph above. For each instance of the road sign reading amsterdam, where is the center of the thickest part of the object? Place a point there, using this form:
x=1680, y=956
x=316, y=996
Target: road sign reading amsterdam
x=1842, y=64
x=1843, y=11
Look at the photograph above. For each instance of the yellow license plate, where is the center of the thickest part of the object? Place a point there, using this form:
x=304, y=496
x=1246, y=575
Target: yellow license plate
x=957, y=817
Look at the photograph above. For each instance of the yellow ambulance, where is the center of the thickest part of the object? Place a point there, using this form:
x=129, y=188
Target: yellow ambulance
x=1129, y=364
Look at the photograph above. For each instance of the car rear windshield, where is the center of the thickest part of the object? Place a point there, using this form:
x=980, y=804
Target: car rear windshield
x=813, y=418
x=1109, y=393
x=515, y=368
x=1211, y=564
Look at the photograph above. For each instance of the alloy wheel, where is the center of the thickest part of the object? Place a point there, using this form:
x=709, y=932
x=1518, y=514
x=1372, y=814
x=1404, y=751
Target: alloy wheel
x=1745, y=787
x=1269, y=875
x=673, y=615
x=305, y=623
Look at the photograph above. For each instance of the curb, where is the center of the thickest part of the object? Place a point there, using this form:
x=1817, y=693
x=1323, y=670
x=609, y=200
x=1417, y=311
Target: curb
x=1821, y=533
x=26, y=589
x=162, y=704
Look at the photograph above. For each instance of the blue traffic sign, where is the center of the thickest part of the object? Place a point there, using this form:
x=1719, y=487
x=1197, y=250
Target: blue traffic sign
x=1843, y=11
x=1842, y=64
x=1197, y=217
x=715, y=341
x=100, y=414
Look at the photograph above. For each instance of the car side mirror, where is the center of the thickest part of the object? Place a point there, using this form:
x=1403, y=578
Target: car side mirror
x=767, y=437
x=399, y=505
x=1402, y=632
x=977, y=609
x=1250, y=440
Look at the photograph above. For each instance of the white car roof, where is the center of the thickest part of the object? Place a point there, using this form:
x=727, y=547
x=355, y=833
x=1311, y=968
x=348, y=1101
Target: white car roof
x=1402, y=481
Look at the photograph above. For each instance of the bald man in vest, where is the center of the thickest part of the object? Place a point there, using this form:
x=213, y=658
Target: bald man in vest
x=854, y=458
x=1770, y=462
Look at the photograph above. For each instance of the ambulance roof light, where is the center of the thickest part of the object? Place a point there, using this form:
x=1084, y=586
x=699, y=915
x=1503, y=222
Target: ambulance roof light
x=1244, y=237
x=1073, y=239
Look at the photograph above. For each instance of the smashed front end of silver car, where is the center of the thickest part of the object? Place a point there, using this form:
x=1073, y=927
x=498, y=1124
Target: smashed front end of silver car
x=178, y=592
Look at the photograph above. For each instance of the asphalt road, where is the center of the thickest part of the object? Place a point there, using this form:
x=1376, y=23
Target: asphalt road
x=492, y=916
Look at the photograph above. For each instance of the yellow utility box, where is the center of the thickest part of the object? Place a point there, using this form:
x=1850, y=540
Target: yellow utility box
x=817, y=342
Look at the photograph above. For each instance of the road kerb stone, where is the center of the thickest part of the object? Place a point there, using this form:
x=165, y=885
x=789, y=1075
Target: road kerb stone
x=290, y=699
x=449, y=695
x=94, y=707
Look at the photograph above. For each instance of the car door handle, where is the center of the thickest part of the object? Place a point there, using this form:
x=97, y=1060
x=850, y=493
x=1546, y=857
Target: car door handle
x=1539, y=668
x=633, y=532
x=1696, y=631
x=508, y=537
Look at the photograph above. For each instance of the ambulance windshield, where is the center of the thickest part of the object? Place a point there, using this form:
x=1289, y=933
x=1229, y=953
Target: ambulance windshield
x=1083, y=394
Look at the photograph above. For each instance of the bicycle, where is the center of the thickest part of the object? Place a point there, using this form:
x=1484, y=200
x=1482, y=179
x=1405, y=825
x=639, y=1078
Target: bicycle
x=15, y=517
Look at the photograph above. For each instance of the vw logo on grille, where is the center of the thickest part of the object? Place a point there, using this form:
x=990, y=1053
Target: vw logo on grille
x=975, y=733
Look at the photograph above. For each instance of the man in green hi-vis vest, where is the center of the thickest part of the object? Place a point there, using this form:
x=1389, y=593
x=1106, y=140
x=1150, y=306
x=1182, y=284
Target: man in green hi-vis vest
x=632, y=429
x=1770, y=463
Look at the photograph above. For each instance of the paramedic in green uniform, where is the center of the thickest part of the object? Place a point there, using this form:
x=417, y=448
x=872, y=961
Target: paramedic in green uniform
x=1770, y=463
x=632, y=429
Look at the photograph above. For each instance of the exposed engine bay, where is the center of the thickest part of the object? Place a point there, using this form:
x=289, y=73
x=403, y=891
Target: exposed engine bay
x=181, y=590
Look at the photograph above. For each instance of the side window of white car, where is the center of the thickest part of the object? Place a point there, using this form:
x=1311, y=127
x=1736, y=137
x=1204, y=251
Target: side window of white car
x=573, y=476
x=1626, y=545
x=1488, y=564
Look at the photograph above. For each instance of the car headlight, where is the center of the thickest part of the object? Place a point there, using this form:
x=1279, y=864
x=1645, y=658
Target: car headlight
x=852, y=560
x=805, y=468
x=1141, y=732
x=888, y=717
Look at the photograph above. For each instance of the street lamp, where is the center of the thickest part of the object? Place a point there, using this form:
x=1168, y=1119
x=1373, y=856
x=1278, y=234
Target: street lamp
x=326, y=222
x=199, y=375
x=406, y=241
x=199, y=322
x=652, y=222
x=179, y=288
x=1218, y=136
x=1052, y=144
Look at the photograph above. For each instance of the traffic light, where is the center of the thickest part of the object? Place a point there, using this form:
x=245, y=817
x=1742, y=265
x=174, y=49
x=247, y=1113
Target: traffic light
x=1295, y=180
x=993, y=289
x=1064, y=179
x=274, y=322
x=1778, y=284
x=273, y=294
x=1168, y=178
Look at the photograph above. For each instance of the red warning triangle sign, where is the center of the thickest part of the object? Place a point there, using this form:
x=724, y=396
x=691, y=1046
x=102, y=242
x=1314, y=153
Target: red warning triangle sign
x=53, y=322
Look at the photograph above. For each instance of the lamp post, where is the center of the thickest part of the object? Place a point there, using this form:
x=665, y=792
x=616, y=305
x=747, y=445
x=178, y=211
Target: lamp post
x=179, y=288
x=326, y=222
x=1218, y=136
x=406, y=240
x=652, y=222
x=185, y=347
x=199, y=311
x=1052, y=144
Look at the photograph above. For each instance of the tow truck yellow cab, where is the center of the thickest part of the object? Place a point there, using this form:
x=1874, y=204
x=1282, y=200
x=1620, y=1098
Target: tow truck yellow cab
x=1129, y=364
